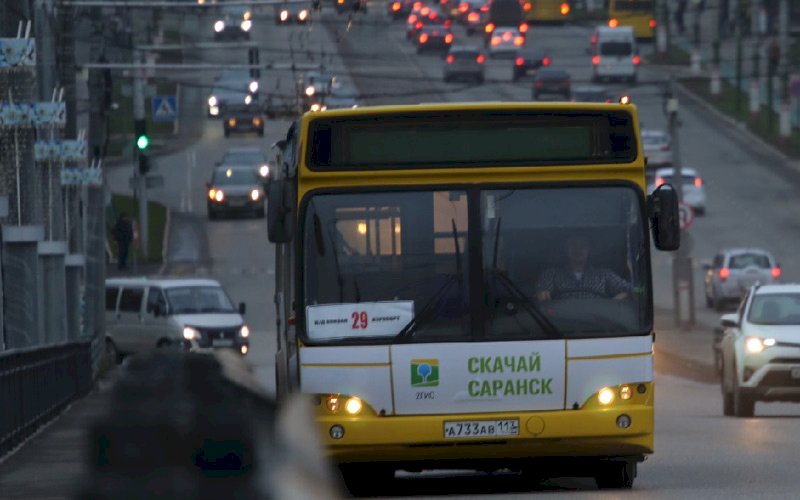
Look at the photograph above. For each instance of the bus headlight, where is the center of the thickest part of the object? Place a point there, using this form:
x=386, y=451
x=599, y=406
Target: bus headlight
x=605, y=396
x=219, y=26
x=244, y=332
x=353, y=406
x=190, y=333
x=212, y=101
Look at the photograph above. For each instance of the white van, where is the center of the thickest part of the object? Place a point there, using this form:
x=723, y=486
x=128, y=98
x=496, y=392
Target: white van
x=194, y=314
x=615, y=54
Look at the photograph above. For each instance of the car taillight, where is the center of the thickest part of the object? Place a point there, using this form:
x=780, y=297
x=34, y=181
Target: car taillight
x=473, y=17
x=546, y=61
x=724, y=273
x=596, y=60
x=396, y=6
x=425, y=11
x=412, y=19
x=519, y=61
x=659, y=181
x=450, y=59
x=423, y=38
x=507, y=36
x=636, y=60
x=417, y=5
x=448, y=24
x=565, y=9
x=448, y=38
x=698, y=181
x=481, y=58
x=489, y=28
x=495, y=40
x=523, y=28
x=776, y=272
x=484, y=8
x=518, y=41
x=463, y=7
x=613, y=23
x=419, y=25
x=527, y=6
x=652, y=23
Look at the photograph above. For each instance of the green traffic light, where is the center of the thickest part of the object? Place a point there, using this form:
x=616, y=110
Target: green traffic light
x=142, y=142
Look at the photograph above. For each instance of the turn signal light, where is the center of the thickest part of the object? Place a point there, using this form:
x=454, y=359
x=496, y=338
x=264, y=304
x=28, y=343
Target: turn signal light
x=519, y=41
x=232, y=122
x=527, y=6
x=396, y=6
x=523, y=28
x=613, y=23
x=565, y=9
x=473, y=17
x=495, y=40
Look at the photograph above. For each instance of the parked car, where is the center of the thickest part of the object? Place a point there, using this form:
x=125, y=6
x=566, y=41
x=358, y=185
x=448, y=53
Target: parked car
x=734, y=270
x=693, y=191
x=760, y=348
x=657, y=148
x=235, y=189
x=552, y=81
x=529, y=60
x=465, y=62
x=186, y=313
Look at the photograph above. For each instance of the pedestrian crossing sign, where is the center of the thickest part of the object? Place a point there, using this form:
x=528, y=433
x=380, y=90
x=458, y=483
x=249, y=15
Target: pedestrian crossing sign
x=164, y=108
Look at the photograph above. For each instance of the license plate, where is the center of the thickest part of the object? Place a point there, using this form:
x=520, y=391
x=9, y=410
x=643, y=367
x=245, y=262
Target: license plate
x=222, y=342
x=481, y=428
x=795, y=372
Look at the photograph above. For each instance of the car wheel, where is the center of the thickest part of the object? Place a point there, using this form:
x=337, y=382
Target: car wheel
x=617, y=475
x=743, y=405
x=112, y=352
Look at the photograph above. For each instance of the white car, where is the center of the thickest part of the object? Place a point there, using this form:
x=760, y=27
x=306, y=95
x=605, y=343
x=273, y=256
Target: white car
x=657, y=148
x=615, y=55
x=505, y=42
x=734, y=270
x=760, y=349
x=693, y=190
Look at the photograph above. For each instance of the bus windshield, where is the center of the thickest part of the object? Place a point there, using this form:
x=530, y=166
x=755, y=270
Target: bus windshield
x=472, y=265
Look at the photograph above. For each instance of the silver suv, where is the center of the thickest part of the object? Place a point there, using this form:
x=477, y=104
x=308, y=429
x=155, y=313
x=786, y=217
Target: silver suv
x=734, y=270
x=760, y=349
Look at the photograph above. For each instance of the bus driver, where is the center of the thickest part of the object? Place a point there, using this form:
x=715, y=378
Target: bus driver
x=579, y=280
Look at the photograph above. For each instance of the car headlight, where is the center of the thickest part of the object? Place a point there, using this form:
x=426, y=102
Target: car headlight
x=247, y=15
x=284, y=15
x=213, y=111
x=314, y=107
x=212, y=101
x=253, y=87
x=218, y=195
x=219, y=26
x=244, y=332
x=255, y=195
x=248, y=99
x=263, y=171
x=190, y=333
x=310, y=90
x=246, y=25
x=755, y=345
x=302, y=15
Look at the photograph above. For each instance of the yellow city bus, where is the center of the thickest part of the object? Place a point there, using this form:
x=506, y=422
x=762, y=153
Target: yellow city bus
x=547, y=11
x=411, y=242
x=640, y=14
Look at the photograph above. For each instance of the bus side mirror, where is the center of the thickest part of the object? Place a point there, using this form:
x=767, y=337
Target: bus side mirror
x=663, y=211
x=280, y=211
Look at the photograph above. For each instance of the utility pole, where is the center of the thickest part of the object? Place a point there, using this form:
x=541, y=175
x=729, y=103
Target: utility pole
x=139, y=116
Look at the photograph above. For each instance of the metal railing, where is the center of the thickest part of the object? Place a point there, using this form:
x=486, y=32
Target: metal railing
x=36, y=384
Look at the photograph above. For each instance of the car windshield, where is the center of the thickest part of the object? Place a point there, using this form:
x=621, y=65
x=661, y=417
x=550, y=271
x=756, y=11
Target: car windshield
x=745, y=260
x=616, y=48
x=403, y=256
x=199, y=300
x=244, y=158
x=234, y=176
x=775, y=309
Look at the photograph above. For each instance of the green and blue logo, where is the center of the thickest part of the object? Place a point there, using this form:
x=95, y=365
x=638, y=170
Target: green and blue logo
x=424, y=372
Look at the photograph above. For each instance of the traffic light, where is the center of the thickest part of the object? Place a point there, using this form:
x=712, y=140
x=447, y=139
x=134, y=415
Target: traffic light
x=144, y=163
x=140, y=131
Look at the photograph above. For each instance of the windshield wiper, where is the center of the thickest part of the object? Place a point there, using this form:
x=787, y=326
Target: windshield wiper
x=530, y=306
x=412, y=326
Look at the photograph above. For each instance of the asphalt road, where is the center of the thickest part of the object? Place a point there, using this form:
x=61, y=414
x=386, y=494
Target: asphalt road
x=750, y=202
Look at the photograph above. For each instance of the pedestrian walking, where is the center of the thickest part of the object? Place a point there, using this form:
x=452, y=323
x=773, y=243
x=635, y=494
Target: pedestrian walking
x=123, y=235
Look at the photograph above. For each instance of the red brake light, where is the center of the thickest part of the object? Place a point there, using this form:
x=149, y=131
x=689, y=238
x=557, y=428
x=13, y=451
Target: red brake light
x=596, y=60
x=489, y=28
x=412, y=19
x=519, y=41
x=659, y=181
x=448, y=38
x=776, y=272
x=507, y=36
x=448, y=23
x=473, y=17
x=417, y=5
x=419, y=25
x=637, y=60
x=484, y=8
x=527, y=6
x=423, y=38
x=450, y=59
x=396, y=6
x=481, y=58
x=546, y=61
x=463, y=8
x=652, y=23
x=539, y=84
x=425, y=11
x=724, y=273
x=613, y=23
x=565, y=9
x=698, y=181
x=519, y=61
x=523, y=28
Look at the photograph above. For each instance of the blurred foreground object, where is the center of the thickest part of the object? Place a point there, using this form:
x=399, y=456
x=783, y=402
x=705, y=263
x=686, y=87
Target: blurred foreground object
x=184, y=425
